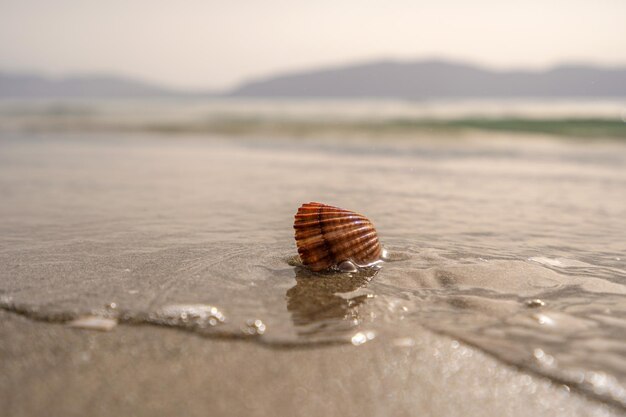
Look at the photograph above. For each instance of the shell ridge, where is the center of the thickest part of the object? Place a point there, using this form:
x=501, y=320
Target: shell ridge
x=323, y=235
x=356, y=233
x=345, y=221
x=372, y=249
x=360, y=251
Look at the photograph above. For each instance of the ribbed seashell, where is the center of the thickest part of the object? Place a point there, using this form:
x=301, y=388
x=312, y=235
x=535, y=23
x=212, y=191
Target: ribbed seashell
x=327, y=236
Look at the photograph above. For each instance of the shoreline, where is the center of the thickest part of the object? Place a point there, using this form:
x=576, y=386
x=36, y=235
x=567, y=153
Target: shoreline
x=113, y=319
x=570, y=129
x=58, y=370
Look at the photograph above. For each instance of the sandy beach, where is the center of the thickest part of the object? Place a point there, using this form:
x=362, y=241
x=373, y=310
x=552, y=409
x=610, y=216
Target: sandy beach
x=503, y=296
x=50, y=369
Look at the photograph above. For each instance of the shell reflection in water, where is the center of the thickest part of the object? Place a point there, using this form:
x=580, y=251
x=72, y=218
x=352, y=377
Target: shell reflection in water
x=330, y=237
x=322, y=306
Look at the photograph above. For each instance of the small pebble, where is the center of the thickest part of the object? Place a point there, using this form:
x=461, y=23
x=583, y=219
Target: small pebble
x=535, y=303
x=93, y=323
x=254, y=327
x=362, y=337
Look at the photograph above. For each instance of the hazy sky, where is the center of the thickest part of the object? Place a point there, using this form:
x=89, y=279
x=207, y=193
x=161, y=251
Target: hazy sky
x=215, y=44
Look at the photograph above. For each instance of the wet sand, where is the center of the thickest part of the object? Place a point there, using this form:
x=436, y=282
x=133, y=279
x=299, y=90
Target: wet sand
x=477, y=229
x=54, y=370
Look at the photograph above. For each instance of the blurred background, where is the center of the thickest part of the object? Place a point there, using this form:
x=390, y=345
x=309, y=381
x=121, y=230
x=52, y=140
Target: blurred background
x=281, y=67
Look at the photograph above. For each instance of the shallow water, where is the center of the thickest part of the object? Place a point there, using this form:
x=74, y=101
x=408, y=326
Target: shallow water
x=317, y=117
x=516, y=247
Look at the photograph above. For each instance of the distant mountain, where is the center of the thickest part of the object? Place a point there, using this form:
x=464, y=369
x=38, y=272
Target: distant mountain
x=24, y=85
x=386, y=79
x=439, y=79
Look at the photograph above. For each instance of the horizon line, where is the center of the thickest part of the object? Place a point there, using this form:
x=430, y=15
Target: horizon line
x=306, y=70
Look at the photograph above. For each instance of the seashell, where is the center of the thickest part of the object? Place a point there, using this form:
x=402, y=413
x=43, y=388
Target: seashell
x=329, y=237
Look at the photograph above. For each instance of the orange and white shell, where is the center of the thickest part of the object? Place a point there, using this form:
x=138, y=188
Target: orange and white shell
x=327, y=236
